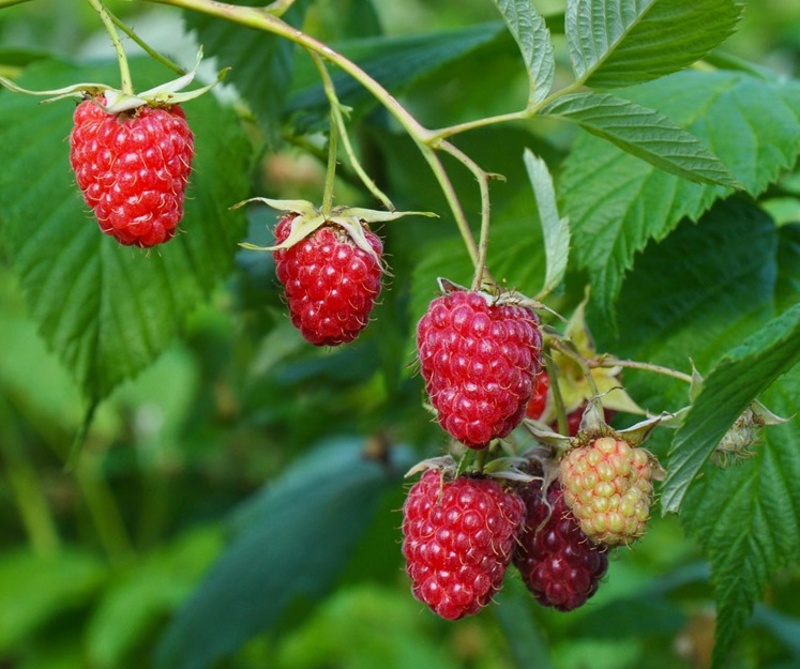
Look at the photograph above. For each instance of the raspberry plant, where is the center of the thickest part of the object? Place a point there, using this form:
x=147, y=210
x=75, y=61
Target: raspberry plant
x=212, y=430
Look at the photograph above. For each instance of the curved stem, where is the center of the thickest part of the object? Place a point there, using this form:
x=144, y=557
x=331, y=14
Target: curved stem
x=610, y=361
x=261, y=19
x=444, y=133
x=452, y=199
x=150, y=51
x=126, y=83
x=337, y=122
x=567, y=349
x=558, y=399
x=482, y=178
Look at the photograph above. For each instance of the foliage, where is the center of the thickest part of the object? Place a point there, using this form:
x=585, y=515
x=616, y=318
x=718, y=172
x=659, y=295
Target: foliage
x=231, y=498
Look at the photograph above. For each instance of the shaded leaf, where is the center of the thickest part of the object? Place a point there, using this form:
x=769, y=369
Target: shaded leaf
x=290, y=544
x=617, y=203
x=728, y=389
x=747, y=517
x=721, y=279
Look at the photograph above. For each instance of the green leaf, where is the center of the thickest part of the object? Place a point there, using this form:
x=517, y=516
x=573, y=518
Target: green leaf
x=644, y=133
x=364, y=627
x=728, y=389
x=555, y=229
x=747, y=517
x=152, y=590
x=34, y=589
x=617, y=203
x=261, y=64
x=291, y=543
x=107, y=310
x=721, y=274
x=395, y=62
x=533, y=38
x=617, y=43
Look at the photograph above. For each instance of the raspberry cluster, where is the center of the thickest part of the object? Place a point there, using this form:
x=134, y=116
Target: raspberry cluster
x=557, y=561
x=607, y=485
x=331, y=284
x=478, y=359
x=459, y=536
x=133, y=168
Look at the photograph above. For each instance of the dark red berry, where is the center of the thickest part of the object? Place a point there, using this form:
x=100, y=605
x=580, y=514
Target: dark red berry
x=558, y=563
x=458, y=538
x=331, y=283
x=133, y=168
x=478, y=359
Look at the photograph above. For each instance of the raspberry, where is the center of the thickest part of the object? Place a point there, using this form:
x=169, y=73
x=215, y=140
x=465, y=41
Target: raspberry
x=132, y=169
x=478, y=361
x=331, y=284
x=607, y=486
x=458, y=540
x=558, y=563
x=538, y=401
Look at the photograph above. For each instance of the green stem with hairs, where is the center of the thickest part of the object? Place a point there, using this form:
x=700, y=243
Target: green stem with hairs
x=126, y=83
x=338, y=126
x=150, y=51
x=261, y=19
x=611, y=361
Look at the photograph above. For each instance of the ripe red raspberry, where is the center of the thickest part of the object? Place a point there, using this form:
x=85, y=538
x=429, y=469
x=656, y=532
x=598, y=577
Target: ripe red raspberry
x=132, y=168
x=607, y=486
x=478, y=361
x=331, y=284
x=558, y=563
x=538, y=401
x=458, y=540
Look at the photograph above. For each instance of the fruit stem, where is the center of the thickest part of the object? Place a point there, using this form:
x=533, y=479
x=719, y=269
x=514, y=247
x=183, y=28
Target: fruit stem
x=567, y=348
x=610, y=361
x=150, y=51
x=330, y=171
x=558, y=399
x=261, y=19
x=126, y=83
x=337, y=121
x=483, y=178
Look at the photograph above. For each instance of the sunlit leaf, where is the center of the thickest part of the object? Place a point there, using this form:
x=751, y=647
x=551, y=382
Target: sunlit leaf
x=624, y=42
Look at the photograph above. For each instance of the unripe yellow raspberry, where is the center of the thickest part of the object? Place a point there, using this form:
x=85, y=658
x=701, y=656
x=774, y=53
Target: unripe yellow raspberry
x=607, y=485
